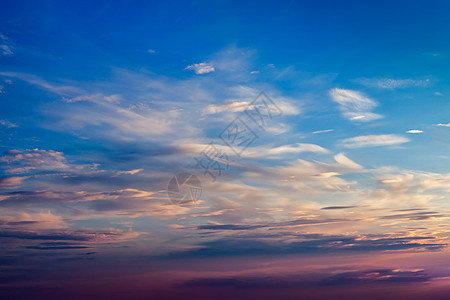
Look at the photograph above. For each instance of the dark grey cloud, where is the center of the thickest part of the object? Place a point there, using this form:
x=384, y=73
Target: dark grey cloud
x=57, y=246
x=269, y=244
x=273, y=225
x=417, y=216
x=361, y=277
x=339, y=207
x=53, y=235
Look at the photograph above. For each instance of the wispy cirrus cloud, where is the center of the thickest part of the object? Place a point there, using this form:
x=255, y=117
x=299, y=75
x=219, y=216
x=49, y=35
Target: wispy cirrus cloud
x=254, y=152
x=8, y=124
x=323, y=131
x=389, y=83
x=373, y=141
x=354, y=105
x=5, y=45
x=11, y=182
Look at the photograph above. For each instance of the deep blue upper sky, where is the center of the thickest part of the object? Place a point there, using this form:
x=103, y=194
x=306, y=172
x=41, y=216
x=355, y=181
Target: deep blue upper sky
x=102, y=102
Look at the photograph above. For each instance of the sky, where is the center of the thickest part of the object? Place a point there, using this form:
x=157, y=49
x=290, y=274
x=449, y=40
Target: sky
x=224, y=149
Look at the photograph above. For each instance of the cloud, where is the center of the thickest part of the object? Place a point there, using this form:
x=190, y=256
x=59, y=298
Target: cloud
x=308, y=284
x=171, y=107
x=262, y=151
x=414, y=131
x=5, y=47
x=345, y=161
x=11, y=182
x=443, y=125
x=23, y=161
x=354, y=105
x=151, y=51
x=6, y=50
x=8, y=124
x=323, y=131
x=415, y=181
x=125, y=202
x=339, y=207
x=267, y=244
x=388, y=83
x=228, y=107
x=131, y=172
x=201, y=68
x=69, y=235
x=245, y=97
x=60, y=89
x=373, y=141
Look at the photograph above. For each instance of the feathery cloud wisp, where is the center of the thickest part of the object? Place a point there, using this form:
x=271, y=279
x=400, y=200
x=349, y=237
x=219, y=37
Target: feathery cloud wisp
x=373, y=140
x=389, y=83
x=354, y=105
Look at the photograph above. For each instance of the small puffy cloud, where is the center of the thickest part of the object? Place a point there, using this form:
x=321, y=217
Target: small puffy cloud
x=201, y=68
x=151, y=51
x=373, y=141
x=354, y=105
x=414, y=131
x=444, y=125
x=389, y=83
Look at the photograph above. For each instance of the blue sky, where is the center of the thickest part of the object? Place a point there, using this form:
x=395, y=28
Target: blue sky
x=102, y=104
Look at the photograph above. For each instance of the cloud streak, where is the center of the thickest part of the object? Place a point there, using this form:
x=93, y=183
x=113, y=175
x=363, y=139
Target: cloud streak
x=373, y=141
x=354, y=105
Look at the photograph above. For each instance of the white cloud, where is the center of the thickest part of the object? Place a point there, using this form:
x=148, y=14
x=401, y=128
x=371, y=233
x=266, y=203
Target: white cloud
x=151, y=51
x=415, y=131
x=373, y=140
x=354, y=105
x=230, y=107
x=255, y=152
x=443, y=125
x=201, y=68
x=346, y=162
x=171, y=108
x=389, y=83
x=323, y=131
x=243, y=97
